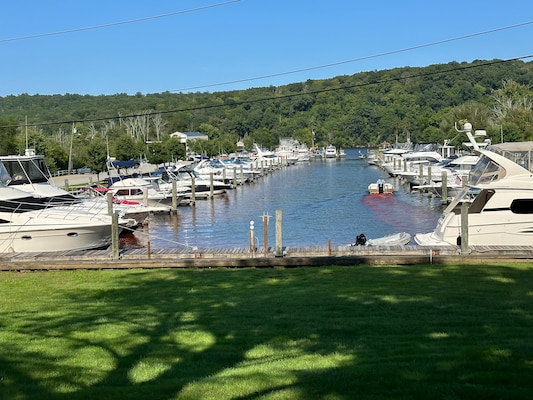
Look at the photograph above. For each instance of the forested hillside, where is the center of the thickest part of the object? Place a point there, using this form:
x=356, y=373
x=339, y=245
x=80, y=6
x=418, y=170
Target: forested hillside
x=364, y=109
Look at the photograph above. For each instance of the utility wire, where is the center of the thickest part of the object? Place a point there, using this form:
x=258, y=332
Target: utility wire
x=278, y=97
x=132, y=21
x=388, y=53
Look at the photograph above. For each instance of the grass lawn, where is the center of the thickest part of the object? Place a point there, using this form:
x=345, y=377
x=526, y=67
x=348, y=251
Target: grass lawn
x=392, y=332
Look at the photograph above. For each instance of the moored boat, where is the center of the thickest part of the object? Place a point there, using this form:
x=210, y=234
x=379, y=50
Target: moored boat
x=330, y=151
x=396, y=239
x=501, y=214
x=27, y=224
x=381, y=187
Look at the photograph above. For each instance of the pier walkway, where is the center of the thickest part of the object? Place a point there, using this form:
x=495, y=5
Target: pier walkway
x=244, y=258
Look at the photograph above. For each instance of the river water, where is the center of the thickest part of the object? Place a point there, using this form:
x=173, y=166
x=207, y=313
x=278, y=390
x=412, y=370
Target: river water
x=319, y=201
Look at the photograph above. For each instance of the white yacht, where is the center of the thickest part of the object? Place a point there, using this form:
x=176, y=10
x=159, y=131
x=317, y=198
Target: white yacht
x=330, y=152
x=214, y=166
x=288, y=150
x=30, y=174
x=265, y=159
x=240, y=169
x=144, y=191
x=407, y=164
x=184, y=174
x=29, y=224
x=502, y=213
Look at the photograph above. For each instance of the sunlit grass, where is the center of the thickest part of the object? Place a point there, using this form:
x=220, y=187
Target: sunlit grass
x=448, y=332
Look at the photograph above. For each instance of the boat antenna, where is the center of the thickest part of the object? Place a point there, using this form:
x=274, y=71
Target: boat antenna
x=26, y=124
x=467, y=128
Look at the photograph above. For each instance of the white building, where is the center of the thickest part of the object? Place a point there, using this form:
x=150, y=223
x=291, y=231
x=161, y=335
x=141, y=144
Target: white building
x=184, y=137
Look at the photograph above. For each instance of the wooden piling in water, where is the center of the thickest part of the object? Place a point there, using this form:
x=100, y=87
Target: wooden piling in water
x=444, y=187
x=211, y=184
x=109, y=197
x=174, y=208
x=114, y=237
x=279, y=244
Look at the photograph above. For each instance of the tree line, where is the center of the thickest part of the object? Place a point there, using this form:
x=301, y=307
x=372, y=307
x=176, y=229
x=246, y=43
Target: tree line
x=364, y=109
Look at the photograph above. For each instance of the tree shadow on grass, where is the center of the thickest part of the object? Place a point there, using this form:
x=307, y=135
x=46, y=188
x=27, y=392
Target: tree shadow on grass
x=303, y=333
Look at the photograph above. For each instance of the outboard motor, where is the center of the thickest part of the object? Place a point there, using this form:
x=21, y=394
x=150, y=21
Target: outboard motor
x=360, y=240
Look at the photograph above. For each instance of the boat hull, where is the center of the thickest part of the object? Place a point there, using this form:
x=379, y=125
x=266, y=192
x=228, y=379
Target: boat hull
x=386, y=188
x=44, y=238
x=511, y=230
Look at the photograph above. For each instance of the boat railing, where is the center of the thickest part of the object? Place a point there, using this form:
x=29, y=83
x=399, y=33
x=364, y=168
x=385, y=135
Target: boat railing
x=66, y=210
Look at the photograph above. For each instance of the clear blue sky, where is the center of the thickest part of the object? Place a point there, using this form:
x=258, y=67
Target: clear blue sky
x=115, y=46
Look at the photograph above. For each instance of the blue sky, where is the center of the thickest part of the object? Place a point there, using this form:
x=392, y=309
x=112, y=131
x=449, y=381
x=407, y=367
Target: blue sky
x=115, y=46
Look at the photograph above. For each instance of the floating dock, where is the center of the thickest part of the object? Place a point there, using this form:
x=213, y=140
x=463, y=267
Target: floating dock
x=245, y=258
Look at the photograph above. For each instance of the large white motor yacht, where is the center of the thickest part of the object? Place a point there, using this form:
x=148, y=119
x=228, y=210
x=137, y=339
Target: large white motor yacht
x=502, y=213
x=27, y=224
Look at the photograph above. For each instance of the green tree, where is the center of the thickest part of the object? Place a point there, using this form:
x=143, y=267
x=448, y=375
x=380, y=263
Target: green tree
x=125, y=148
x=98, y=155
x=8, y=136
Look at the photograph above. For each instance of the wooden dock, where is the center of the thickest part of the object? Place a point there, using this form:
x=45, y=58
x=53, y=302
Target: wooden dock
x=244, y=258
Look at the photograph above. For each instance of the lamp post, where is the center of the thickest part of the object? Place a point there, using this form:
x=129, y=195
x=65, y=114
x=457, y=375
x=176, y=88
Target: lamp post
x=70, y=151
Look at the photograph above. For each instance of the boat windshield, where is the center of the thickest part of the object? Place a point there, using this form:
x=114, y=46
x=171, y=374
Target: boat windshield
x=485, y=171
x=26, y=171
x=5, y=178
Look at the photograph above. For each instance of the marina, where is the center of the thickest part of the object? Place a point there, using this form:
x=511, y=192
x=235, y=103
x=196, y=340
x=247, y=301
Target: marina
x=321, y=201
x=315, y=212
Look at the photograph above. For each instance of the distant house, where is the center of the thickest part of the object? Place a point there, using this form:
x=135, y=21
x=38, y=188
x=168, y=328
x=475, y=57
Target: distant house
x=185, y=137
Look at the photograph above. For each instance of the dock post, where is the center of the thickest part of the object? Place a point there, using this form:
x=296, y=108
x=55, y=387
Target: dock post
x=464, y=228
x=211, y=185
x=252, y=239
x=114, y=237
x=265, y=234
x=193, y=192
x=174, y=197
x=235, y=181
x=109, y=203
x=145, y=196
x=147, y=233
x=279, y=245
x=444, y=187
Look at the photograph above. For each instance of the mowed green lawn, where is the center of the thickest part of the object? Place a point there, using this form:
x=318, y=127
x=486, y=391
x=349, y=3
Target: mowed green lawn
x=391, y=332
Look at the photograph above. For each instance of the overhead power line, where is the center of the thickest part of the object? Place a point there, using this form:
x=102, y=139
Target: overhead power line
x=278, y=97
x=387, y=53
x=131, y=21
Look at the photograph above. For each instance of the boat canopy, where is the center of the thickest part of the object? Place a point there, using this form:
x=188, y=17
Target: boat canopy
x=123, y=164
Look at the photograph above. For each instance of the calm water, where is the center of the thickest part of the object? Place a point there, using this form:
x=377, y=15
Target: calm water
x=320, y=200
